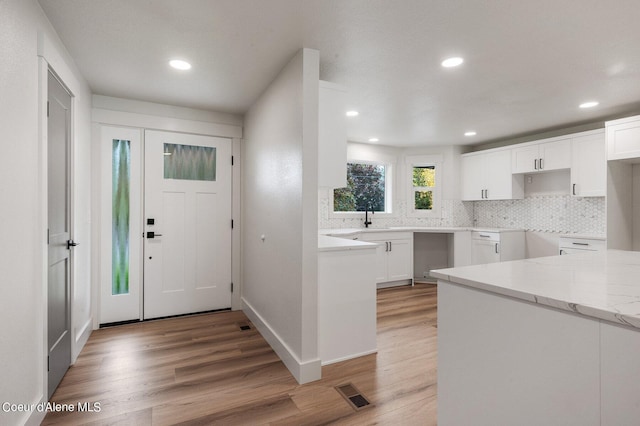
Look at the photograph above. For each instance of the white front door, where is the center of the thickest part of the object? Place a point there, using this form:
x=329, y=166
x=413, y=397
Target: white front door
x=187, y=224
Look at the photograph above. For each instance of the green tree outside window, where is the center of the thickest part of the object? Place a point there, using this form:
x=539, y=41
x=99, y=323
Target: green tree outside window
x=365, y=189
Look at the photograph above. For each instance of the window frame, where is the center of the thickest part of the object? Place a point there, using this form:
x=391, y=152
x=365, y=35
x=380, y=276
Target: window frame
x=388, y=192
x=424, y=161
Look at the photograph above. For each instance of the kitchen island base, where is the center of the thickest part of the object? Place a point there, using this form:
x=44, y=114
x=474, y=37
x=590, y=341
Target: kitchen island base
x=504, y=361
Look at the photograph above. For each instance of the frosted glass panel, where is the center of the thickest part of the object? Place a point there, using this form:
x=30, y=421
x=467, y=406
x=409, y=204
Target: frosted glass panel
x=121, y=174
x=189, y=162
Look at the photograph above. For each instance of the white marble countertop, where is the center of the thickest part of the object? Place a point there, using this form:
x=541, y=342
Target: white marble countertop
x=443, y=230
x=603, y=285
x=326, y=243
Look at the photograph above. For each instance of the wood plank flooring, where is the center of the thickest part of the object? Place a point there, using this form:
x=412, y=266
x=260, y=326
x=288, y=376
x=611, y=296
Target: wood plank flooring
x=204, y=370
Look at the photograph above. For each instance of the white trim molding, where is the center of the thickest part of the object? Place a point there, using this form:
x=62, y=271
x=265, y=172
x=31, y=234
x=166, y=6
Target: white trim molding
x=303, y=371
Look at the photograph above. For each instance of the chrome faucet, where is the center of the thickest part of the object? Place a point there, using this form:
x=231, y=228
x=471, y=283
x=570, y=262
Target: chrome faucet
x=367, y=222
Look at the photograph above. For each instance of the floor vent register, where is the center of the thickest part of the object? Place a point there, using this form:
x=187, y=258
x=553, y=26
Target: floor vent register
x=353, y=396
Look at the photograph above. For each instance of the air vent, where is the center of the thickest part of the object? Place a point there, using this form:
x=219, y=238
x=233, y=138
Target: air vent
x=353, y=396
x=244, y=327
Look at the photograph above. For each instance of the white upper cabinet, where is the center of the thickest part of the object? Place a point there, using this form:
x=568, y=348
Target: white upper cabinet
x=589, y=165
x=487, y=176
x=542, y=156
x=332, y=136
x=623, y=138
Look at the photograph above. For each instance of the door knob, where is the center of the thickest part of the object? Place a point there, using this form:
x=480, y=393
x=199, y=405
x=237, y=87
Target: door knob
x=151, y=234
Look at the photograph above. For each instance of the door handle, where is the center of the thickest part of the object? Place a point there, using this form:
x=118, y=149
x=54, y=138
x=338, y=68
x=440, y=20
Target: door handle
x=151, y=234
x=71, y=243
x=497, y=248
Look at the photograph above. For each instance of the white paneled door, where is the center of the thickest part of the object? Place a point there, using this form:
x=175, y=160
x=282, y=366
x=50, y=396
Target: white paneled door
x=187, y=224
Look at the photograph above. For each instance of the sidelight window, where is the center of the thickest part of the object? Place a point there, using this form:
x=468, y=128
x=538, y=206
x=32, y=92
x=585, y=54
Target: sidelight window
x=121, y=182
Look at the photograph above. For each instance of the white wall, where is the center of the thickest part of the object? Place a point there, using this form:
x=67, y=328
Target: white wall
x=23, y=210
x=279, y=202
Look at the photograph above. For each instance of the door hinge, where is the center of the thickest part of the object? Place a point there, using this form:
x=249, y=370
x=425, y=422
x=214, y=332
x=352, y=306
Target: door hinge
x=231, y=287
x=48, y=368
x=48, y=233
x=232, y=160
x=231, y=223
x=47, y=108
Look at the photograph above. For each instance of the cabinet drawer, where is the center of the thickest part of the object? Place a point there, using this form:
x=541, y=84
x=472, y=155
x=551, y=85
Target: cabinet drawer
x=567, y=243
x=386, y=236
x=485, y=236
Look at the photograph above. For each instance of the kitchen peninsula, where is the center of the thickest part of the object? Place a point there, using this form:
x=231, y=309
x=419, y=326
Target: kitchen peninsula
x=552, y=340
x=408, y=252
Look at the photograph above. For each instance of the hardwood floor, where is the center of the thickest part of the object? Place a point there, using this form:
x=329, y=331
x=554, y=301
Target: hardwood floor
x=204, y=370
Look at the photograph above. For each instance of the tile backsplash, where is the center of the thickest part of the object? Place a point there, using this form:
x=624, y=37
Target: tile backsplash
x=545, y=213
x=542, y=213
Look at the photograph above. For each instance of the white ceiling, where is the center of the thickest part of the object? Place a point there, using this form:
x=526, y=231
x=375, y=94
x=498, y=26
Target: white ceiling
x=528, y=64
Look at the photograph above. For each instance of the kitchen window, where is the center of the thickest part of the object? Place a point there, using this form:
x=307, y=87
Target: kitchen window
x=425, y=176
x=368, y=187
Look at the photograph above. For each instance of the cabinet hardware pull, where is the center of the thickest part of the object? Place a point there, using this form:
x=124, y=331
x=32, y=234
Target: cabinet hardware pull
x=497, y=248
x=561, y=251
x=535, y=164
x=390, y=246
x=574, y=189
x=486, y=194
x=386, y=245
x=541, y=166
x=485, y=236
x=580, y=244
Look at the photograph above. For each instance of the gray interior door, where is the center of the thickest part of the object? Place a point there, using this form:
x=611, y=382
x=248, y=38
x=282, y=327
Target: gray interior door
x=59, y=243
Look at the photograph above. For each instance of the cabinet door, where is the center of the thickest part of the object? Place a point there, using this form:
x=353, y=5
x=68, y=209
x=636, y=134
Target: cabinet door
x=555, y=155
x=589, y=168
x=485, y=252
x=619, y=366
x=399, y=262
x=381, y=261
x=472, y=177
x=525, y=159
x=498, y=177
x=623, y=139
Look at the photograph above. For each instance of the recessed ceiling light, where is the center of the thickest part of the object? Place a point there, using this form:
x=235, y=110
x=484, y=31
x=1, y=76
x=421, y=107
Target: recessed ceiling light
x=452, y=62
x=374, y=139
x=352, y=113
x=470, y=133
x=180, y=65
x=589, y=104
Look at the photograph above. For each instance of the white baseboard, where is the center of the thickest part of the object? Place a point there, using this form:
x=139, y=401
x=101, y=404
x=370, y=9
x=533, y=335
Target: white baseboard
x=303, y=372
x=333, y=361
x=81, y=338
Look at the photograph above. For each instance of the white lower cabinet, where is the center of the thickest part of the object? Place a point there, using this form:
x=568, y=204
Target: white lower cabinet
x=496, y=246
x=573, y=244
x=394, y=255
